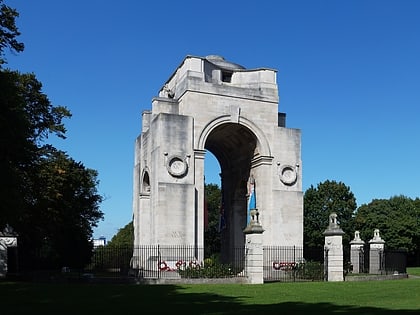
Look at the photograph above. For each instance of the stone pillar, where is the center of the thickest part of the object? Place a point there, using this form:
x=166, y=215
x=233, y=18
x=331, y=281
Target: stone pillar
x=7, y=239
x=356, y=248
x=376, y=251
x=3, y=259
x=334, y=250
x=254, y=266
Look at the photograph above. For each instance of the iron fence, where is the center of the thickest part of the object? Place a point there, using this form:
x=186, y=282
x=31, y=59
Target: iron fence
x=292, y=263
x=164, y=262
x=169, y=262
x=395, y=261
x=390, y=261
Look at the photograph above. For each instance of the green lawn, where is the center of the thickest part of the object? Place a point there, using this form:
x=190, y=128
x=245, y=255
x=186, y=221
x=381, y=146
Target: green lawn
x=413, y=271
x=370, y=297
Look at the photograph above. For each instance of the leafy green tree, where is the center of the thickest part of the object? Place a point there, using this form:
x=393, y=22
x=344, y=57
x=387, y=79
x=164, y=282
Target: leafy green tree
x=398, y=221
x=211, y=234
x=64, y=209
x=124, y=237
x=319, y=203
x=118, y=252
x=48, y=198
x=26, y=119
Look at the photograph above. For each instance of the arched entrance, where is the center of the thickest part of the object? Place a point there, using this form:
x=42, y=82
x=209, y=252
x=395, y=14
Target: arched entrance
x=235, y=166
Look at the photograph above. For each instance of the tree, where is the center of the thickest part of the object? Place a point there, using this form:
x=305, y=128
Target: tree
x=8, y=31
x=124, y=237
x=26, y=119
x=48, y=198
x=63, y=211
x=398, y=221
x=319, y=203
x=211, y=234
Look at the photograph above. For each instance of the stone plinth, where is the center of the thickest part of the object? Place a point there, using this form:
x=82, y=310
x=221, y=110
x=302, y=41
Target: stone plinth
x=254, y=225
x=334, y=250
x=254, y=258
x=254, y=264
x=8, y=238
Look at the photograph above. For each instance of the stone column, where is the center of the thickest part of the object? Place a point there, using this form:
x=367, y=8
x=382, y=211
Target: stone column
x=376, y=250
x=334, y=250
x=3, y=259
x=5, y=242
x=8, y=238
x=254, y=266
x=356, y=247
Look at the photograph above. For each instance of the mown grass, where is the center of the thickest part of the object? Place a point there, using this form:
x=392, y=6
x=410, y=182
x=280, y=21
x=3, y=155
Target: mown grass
x=370, y=297
x=413, y=271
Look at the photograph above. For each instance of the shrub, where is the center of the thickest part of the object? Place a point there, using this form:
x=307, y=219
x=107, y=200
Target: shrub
x=209, y=268
x=310, y=270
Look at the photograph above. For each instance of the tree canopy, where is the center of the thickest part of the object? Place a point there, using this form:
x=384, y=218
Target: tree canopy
x=319, y=203
x=398, y=221
x=211, y=234
x=8, y=31
x=124, y=237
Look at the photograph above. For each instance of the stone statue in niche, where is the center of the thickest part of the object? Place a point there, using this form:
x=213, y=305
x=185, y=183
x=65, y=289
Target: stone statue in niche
x=252, y=201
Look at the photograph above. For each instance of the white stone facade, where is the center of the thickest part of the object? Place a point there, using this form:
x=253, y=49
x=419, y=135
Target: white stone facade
x=211, y=104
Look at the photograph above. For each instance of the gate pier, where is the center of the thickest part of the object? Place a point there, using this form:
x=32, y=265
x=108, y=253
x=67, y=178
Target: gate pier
x=376, y=253
x=356, y=253
x=334, y=250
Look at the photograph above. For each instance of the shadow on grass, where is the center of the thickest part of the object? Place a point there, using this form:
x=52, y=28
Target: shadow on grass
x=24, y=298
x=298, y=308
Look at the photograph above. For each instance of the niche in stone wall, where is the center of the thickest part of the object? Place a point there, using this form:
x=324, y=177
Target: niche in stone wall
x=145, y=183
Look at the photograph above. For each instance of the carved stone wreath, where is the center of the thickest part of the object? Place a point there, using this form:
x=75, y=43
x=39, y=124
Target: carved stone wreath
x=287, y=174
x=177, y=166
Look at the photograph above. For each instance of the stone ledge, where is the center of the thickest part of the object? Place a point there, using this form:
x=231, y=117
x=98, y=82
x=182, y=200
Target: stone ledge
x=240, y=280
x=376, y=277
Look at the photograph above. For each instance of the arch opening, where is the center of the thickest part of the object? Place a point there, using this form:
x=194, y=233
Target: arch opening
x=234, y=146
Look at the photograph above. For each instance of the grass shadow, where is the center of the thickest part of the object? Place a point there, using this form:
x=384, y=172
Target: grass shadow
x=29, y=298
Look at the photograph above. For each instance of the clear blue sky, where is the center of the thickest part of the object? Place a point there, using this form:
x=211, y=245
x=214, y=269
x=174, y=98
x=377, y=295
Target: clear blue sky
x=348, y=76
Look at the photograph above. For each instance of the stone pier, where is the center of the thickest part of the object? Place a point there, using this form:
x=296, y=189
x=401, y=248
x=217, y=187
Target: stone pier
x=254, y=266
x=334, y=250
x=356, y=250
x=376, y=251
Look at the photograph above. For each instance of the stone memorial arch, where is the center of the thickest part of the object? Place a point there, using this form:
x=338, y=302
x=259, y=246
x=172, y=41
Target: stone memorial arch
x=211, y=104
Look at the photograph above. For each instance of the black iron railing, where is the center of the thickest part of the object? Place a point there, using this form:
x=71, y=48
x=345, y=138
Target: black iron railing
x=292, y=263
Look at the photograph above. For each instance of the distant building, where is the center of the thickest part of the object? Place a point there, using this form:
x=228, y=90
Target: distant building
x=101, y=241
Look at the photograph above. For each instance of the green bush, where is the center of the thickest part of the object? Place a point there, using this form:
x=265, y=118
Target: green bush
x=209, y=268
x=310, y=270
